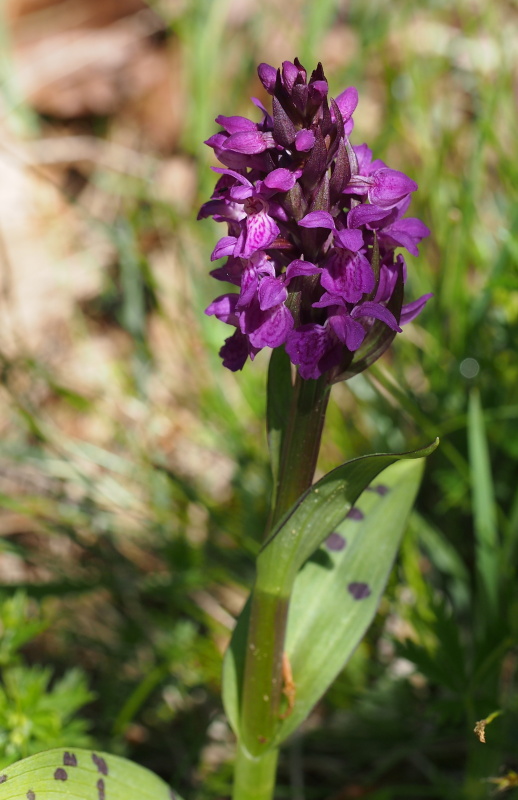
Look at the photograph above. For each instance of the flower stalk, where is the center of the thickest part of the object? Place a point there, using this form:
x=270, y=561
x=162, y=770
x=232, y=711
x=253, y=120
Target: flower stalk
x=254, y=777
x=301, y=445
x=261, y=707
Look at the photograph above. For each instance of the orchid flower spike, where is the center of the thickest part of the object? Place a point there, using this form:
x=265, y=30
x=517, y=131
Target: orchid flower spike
x=313, y=226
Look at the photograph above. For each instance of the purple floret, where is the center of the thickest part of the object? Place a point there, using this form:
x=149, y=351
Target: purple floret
x=313, y=225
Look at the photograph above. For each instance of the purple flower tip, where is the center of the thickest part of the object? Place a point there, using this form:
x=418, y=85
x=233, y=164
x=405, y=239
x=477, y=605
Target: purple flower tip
x=304, y=140
x=267, y=76
x=347, y=102
x=313, y=226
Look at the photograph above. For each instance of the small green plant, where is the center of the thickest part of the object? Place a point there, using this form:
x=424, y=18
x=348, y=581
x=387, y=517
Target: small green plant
x=37, y=710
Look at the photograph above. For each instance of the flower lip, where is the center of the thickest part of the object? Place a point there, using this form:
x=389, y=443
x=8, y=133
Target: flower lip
x=389, y=186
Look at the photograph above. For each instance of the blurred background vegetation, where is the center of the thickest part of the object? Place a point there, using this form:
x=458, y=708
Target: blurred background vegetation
x=133, y=468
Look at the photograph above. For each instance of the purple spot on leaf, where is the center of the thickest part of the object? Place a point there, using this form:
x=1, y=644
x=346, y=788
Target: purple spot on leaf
x=30, y=795
x=100, y=763
x=359, y=590
x=355, y=513
x=172, y=794
x=380, y=489
x=335, y=541
x=3, y=778
x=60, y=774
x=69, y=760
x=100, y=789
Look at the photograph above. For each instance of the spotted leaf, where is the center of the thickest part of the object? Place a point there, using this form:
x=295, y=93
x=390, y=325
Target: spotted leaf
x=338, y=591
x=77, y=774
x=322, y=632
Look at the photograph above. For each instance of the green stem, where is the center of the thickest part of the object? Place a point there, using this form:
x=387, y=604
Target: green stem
x=301, y=444
x=254, y=778
x=262, y=682
x=263, y=679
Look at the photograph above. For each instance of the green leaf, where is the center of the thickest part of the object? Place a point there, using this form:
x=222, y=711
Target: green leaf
x=316, y=515
x=336, y=595
x=77, y=774
x=484, y=507
x=233, y=669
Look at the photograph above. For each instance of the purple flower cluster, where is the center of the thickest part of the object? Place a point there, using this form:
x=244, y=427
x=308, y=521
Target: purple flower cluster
x=313, y=225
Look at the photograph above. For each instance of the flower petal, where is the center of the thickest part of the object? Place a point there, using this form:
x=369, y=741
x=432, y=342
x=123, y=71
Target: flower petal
x=289, y=73
x=261, y=230
x=235, y=351
x=274, y=329
x=281, y=179
x=348, y=276
x=249, y=142
x=232, y=172
x=221, y=210
x=306, y=346
x=387, y=283
x=348, y=330
x=300, y=268
x=317, y=219
x=267, y=76
x=411, y=310
x=350, y=239
x=240, y=193
x=249, y=283
x=231, y=271
x=224, y=308
x=407, y=233
x=365, y=214
x=304, y=140
x=236, y=124
x=271, y=292
x=317, y=90
x=347, y=102
x=364, y=156
x=389, y=187
x=370, y=309
x=349, y=126
x=225, y=247
x=329, y=300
